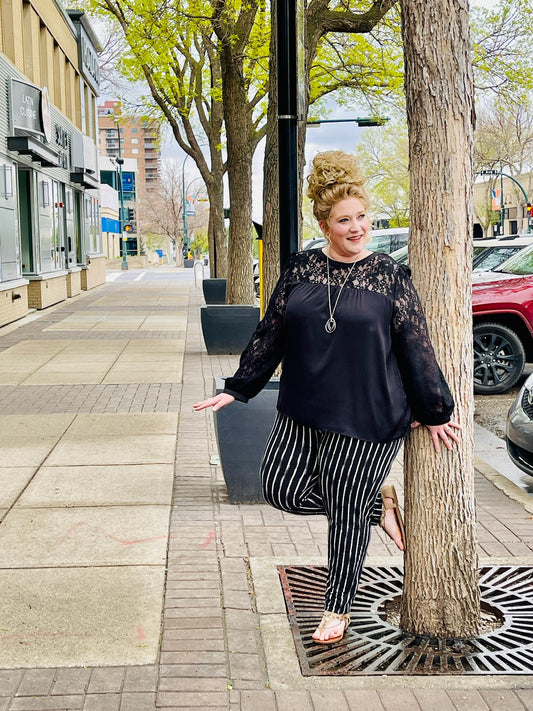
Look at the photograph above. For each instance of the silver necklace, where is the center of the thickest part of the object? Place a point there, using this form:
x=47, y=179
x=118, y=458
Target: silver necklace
x=331, y=324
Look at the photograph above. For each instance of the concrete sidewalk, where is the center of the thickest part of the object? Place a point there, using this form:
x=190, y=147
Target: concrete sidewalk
x=128, y=582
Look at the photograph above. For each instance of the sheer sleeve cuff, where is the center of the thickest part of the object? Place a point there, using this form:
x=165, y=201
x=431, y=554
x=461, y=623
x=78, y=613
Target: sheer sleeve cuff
x=236, y=395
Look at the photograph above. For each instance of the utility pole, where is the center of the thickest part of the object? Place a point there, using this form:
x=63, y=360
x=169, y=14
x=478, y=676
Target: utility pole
x=120, y=163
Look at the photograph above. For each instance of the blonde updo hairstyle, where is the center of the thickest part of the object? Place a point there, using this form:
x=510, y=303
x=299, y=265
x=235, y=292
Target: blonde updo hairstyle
x=334, y=176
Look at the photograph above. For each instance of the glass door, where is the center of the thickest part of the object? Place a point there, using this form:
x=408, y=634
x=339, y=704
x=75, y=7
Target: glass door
x=27, y=216
x=57, y=246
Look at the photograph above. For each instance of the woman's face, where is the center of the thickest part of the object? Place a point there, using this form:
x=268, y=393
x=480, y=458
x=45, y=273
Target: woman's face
x=347, y=229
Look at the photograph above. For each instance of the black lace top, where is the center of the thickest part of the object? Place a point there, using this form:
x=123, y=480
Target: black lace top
x=369, y=378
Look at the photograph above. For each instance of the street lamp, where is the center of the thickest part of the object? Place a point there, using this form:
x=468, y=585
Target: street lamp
x=120, y=163
x=491, y=171
x=184, y=204
x=364, y=122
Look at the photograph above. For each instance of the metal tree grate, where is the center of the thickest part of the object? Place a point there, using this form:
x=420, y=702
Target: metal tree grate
x=374, y=646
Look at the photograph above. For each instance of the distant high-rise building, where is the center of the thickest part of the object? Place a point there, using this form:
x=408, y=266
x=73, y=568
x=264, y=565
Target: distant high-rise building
x=139, y=138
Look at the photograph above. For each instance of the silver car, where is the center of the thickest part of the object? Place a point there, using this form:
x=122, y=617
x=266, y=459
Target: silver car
x=520, y=428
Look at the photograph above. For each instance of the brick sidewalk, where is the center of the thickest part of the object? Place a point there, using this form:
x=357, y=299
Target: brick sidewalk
x=215, y=650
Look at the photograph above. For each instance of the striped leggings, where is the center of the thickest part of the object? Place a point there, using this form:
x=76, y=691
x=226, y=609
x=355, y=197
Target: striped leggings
x=307, y=471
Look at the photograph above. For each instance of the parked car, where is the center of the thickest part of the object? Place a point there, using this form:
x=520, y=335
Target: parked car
x=255, y=267
x=386, y=241
x=519, y=428
x=502, y=302
x=488, y=253
x=315, y=243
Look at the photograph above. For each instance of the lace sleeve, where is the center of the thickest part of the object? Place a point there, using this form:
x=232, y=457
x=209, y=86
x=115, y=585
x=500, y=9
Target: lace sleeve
x=265, y=349
x=427, y=392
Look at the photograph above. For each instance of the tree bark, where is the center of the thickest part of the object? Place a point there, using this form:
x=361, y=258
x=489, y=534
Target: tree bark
x=218, y=246
x=441, y=592
x=271, y=226
x=240, y=289
x=240, y=135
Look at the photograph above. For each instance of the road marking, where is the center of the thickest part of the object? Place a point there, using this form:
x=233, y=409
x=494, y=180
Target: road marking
x=140, y=276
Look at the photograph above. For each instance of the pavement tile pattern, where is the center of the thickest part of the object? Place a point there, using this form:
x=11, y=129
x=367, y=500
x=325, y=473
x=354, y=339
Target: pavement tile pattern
x=224, y=641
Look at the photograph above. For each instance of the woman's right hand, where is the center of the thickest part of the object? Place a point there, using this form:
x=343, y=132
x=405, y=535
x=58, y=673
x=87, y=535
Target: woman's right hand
x=217, y=402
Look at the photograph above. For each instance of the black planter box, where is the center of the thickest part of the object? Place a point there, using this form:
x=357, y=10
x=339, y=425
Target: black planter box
x=188, y=263
x=242, y=431
x=214, y=291
x=227, y=328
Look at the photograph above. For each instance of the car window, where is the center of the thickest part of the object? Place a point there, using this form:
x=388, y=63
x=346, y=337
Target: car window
x=494, y=257
x=478, y=251
x=387, y=243
x=519, y=263
x=400, y=255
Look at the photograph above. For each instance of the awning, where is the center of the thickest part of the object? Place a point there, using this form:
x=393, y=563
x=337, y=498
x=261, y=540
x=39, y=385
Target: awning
x=38, y=152
x=85, y=178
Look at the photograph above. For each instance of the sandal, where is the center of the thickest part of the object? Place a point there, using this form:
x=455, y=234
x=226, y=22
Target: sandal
x=389, y=492
x=327, y=619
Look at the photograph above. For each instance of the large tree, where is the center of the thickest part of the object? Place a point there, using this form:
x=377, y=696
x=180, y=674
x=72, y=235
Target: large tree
x=441, y=592
x=178, y=60
x=163, y=211
x=209, y=66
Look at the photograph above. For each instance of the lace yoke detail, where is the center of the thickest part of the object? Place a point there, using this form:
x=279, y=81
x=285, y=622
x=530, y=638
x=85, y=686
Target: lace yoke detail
x=376, y=272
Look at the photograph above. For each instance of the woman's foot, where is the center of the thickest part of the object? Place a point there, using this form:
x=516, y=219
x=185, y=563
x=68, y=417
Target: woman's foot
x=391, y=518
x=331, y=628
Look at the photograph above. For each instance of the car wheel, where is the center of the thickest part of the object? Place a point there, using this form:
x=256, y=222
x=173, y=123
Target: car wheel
x=499, y=358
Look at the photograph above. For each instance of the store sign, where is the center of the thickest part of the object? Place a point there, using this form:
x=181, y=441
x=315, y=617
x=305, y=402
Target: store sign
x=26, y=107
x=62, y=141
x=90, y=65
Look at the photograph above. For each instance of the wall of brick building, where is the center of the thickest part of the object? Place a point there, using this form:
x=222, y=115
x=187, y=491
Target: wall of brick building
x=94, y=274
x=13, y=304
x=45, y=292
x=74, y=283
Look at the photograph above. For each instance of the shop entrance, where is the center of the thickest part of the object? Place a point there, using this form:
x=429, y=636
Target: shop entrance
x=26, y=189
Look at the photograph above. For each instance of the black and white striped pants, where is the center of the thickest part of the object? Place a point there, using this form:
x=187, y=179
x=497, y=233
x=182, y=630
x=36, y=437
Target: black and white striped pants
x=307, y=471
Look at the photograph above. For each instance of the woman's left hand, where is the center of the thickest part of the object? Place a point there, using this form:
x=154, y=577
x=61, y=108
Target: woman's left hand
x=442, y=432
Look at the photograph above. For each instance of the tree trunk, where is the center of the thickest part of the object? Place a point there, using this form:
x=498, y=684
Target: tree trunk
x=271, y=226
x=441, y=592
x=237, y=115
x=218, y=246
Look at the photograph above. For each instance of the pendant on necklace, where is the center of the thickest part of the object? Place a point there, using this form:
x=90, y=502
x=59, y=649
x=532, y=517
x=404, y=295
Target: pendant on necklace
x=331, y=325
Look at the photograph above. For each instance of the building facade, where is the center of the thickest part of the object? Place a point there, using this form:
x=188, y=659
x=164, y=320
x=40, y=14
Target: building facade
x=50, y=227
x=500, y=195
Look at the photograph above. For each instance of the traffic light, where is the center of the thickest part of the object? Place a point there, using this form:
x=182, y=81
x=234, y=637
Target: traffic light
x=529, y=209
x=127, y=228
x=131, y=214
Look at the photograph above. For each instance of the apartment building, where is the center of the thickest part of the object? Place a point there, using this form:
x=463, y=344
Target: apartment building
x=140, y=141
x=50, y=229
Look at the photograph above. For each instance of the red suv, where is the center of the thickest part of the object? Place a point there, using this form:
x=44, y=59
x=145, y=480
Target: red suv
x=503, y=323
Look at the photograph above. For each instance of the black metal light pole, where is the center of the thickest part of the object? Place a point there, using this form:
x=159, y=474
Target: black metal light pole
x=120, y=162
x=287, y=127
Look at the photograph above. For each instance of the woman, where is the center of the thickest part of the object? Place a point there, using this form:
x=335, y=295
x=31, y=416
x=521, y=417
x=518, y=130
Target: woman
x=358, y=372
